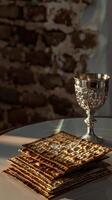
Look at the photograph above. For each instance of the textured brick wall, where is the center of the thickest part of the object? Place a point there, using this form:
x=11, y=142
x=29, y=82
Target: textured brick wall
x=41, y=46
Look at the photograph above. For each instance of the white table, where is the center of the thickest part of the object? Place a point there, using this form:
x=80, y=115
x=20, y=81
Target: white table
x=11, y=189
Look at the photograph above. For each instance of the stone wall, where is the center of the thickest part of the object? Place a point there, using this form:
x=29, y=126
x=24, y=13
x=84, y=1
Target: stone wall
x=41, y=46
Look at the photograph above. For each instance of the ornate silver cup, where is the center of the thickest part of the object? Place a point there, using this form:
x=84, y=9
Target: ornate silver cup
x=91, y=92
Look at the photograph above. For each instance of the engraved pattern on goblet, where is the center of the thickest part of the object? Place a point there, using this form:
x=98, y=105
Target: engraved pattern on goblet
x=91, y=92
x=90, y=99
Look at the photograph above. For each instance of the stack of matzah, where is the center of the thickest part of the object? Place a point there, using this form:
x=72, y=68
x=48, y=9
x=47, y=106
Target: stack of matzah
x=61, y=161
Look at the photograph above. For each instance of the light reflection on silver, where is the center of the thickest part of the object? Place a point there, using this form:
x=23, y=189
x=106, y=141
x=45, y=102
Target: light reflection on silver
x=91, y=92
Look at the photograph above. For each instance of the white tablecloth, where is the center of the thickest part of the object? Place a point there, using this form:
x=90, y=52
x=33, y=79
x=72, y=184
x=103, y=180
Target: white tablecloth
x=11, y=189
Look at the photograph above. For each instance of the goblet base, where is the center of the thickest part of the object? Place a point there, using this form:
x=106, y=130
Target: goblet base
x=93, y=138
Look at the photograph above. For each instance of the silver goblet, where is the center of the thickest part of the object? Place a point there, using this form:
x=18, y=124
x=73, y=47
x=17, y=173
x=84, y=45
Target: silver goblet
x=91, y=92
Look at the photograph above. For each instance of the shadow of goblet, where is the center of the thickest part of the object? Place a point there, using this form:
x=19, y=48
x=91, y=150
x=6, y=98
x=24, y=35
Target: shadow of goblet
x=107, y=142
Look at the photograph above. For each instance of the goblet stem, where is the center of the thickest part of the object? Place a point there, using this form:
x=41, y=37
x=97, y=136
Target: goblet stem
x=90, y=120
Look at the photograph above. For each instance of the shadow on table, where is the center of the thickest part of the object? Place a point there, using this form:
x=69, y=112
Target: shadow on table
x=8, y=150
x=91, y=191
x=107, y=142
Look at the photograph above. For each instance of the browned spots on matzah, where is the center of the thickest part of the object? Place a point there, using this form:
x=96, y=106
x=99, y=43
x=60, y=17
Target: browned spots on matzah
x=66, y=150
